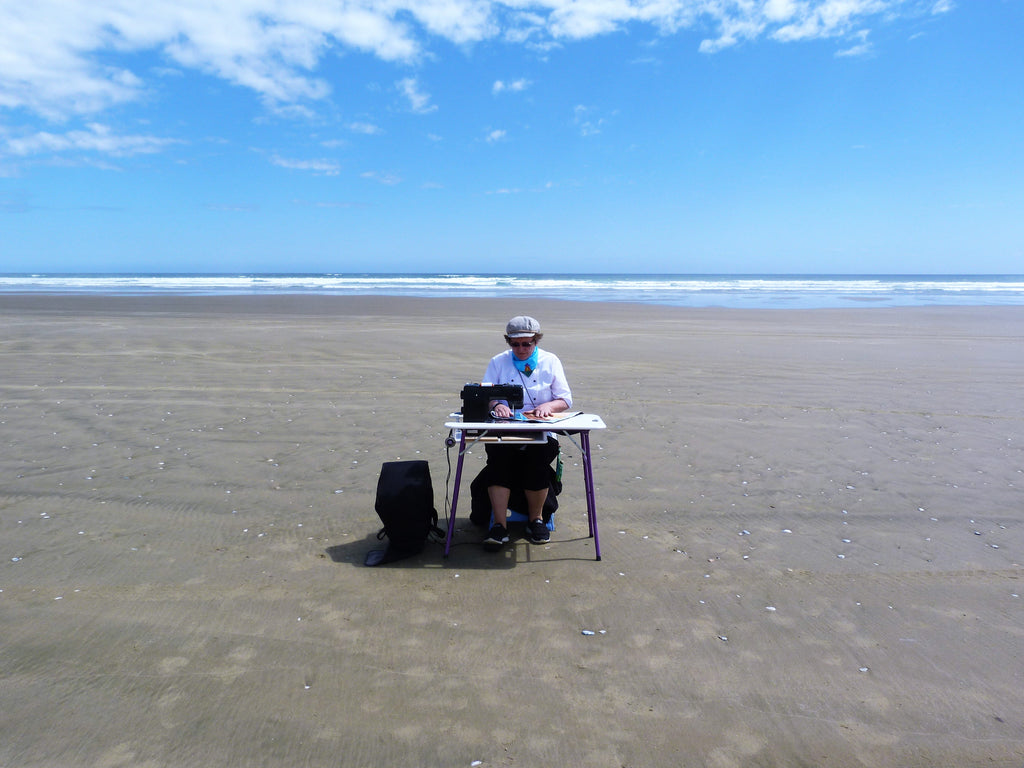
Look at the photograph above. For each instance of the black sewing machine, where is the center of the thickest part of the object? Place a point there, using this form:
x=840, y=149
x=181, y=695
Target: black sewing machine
x=476, y=399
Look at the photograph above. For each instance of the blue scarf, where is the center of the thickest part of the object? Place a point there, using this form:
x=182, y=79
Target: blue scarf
x=529, y=365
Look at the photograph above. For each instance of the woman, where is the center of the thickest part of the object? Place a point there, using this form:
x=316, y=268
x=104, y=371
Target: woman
x=545, y=392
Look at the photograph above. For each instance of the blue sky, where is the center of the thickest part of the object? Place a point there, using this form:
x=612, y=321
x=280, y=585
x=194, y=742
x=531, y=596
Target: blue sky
x=825, y=136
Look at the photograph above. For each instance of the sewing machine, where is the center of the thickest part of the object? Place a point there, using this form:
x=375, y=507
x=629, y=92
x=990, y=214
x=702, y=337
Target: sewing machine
x=476, y=399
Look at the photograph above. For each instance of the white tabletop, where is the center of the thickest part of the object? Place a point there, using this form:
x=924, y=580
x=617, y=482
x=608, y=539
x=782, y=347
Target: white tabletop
x=581, y=422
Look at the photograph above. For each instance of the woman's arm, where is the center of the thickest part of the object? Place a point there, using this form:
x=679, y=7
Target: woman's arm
x=550, y=408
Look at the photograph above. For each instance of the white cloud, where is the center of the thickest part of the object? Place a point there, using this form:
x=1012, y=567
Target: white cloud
x=16, y=202
x=327, y=204
x=368, y=129
x=389, y=179
x=232, y=207
x=95, y=137
x=495, y=135
x=419, y=102
x=831, y=18
x=779, y=10
x=587, y=19
x=861, y=48
x=589, y=125
x=60, y=58
x=50, y=49
x=801, y=20
x=515, y=86
x=319, y=167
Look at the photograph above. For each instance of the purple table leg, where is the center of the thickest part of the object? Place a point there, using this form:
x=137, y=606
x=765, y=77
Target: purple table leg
x=455, y=495
x=588, y=481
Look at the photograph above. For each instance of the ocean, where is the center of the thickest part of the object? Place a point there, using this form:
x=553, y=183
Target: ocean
x=733, y=291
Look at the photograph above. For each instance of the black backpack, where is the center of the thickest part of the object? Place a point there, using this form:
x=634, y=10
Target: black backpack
x=405, y=504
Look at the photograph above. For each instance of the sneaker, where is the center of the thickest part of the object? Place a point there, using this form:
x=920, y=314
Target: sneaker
x=497, y=537
x=537, y=532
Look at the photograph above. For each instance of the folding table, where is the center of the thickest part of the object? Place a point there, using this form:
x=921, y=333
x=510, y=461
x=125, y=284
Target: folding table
x=529, y=431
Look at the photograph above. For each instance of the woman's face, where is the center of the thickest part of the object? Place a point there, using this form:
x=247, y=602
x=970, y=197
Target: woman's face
x=523, y=348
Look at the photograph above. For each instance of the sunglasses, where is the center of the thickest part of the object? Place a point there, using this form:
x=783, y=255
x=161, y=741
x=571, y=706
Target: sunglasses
x=520, y=344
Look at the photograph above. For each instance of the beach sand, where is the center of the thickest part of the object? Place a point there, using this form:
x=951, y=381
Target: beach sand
x=811, y=522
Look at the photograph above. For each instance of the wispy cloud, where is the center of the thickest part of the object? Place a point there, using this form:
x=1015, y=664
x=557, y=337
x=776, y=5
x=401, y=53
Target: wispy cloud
x=60, y=58
x=501, y=86
x=829, y=19
x=16, y=202
x=419, y=102
x=231, y=207
x=860, y=48
x=496, y=135
x=368, y=129
x=390, y=179
x=93, y=138
x=319, y=167
x=327, y=204
x=588, y=123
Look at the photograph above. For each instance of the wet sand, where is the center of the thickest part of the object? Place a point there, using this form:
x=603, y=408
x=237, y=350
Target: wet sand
x=811, y=522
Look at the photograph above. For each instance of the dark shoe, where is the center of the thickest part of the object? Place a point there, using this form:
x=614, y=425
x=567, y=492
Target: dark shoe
x=537, y=532
x=497, y=537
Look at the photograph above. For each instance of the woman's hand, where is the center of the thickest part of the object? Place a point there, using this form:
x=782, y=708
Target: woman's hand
x=545, y=410
x=501, y=411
